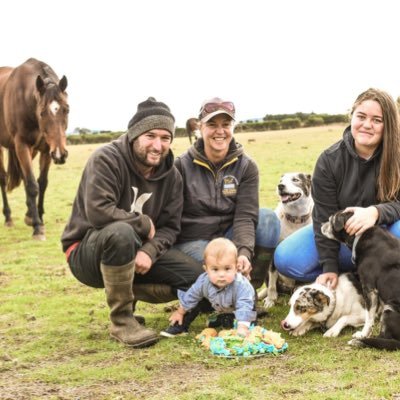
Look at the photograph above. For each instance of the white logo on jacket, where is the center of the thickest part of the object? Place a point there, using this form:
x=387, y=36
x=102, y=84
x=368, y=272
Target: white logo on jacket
x=138, y=203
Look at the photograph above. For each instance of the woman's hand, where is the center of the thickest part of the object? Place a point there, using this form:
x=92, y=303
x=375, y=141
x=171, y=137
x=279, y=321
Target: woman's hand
x=244, y=266
x=328, y=279
x=362, y=219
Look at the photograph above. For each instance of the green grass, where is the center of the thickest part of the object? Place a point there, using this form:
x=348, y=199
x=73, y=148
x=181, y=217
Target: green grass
x=54, y=340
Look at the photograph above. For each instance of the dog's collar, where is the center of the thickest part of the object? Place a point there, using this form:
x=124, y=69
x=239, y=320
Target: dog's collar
x=297, y=220
x=353, y=249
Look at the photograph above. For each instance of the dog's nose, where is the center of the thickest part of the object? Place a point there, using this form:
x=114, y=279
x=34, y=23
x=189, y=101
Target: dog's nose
x=285, y=325
x=281, y=187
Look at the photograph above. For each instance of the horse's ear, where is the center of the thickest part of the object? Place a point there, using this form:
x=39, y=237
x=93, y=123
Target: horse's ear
x=40, y=85
x=63, y=83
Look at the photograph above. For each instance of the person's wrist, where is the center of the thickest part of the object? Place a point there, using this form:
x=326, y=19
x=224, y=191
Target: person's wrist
x=375, y=212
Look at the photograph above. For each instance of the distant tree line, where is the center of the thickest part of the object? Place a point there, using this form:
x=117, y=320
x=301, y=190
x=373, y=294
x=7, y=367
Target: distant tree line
x=269, y=123
x=273, y=122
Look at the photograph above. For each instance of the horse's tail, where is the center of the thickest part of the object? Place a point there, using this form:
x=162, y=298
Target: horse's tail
x=381, y=343
x=14, y=173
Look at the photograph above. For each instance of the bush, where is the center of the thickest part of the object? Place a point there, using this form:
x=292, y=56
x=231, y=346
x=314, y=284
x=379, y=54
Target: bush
x=337, y=118
x=90, y=138
x=314, y=121
x=291, y=123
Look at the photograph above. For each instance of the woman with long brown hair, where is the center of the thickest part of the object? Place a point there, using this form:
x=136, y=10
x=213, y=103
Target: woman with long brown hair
x=360, y=173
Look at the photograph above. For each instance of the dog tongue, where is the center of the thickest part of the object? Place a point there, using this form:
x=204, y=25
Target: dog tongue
x=285, y=197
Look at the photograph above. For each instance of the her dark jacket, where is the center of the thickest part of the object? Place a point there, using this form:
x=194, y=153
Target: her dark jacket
x=217, y=197
x=342, y=179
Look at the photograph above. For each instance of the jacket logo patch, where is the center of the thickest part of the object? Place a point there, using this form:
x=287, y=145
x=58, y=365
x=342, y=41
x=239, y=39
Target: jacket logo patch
x=229, y=186
x=138, y=202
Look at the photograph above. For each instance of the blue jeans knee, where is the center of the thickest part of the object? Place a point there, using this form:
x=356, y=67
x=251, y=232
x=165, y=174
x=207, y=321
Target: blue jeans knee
x=268, y=228
x=395, y=229
x=297, y=256
x=267, y=235
x=194, y=248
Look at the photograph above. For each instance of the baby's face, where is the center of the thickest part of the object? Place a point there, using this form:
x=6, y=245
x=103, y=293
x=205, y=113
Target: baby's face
x=222, y=270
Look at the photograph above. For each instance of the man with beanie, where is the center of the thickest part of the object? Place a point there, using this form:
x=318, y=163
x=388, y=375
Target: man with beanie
x=124, y=220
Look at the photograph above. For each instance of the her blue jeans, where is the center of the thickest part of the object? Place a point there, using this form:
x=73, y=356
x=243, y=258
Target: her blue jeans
x=297, y=257
x=267, y=235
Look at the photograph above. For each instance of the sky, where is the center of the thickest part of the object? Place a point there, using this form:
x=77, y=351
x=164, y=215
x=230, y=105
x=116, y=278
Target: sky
x=267, y=56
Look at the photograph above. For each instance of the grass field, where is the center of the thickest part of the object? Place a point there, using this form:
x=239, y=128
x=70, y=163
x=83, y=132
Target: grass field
x=54, y=340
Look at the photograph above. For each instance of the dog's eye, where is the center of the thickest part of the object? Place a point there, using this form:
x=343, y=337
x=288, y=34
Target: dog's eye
x=295, y=180
x=301, y=309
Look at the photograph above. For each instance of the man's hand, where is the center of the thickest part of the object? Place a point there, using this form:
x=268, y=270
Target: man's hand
x=143, y=263
x=362, y=219
x=329, y=279
x=152, y=230
x=244, y=266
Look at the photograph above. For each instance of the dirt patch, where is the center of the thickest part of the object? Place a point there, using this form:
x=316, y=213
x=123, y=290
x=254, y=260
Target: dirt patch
x=172, y=378
x=4, y=278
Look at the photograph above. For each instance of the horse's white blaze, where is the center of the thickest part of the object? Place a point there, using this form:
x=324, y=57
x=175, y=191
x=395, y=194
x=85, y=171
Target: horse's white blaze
x=58, y=152
x=54, y=107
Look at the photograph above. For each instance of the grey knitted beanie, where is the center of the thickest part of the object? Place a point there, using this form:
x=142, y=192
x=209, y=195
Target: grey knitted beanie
x=151, y=114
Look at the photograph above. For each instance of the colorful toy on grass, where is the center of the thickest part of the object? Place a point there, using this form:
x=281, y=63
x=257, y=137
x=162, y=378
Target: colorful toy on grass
x=227, y=343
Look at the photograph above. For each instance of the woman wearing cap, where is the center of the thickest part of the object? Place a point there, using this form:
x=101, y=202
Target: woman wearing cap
x=220, y=185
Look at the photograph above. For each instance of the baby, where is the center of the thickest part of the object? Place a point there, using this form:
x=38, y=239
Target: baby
x=222, y=285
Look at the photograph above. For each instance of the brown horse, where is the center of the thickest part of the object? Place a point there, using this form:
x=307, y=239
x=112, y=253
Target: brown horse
x=193, y=129
x=33, y=119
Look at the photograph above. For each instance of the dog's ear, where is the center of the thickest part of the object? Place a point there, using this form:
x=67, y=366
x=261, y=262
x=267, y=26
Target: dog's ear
x=320, y=299
x=340, y=220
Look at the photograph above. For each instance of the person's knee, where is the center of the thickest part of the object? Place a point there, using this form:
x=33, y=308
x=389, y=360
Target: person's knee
x=194, y=248
x=395, y=229
x=120, y=241
x=296, y=257
x=268, y=228
x=282, y=260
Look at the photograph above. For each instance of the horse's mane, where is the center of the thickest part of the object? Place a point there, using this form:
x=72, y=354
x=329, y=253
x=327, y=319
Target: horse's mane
x=50, y=80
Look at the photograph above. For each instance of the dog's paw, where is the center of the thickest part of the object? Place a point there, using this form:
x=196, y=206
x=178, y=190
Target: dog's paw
x=358, y=335
x=262, y=294
x=332, y=333
x=269, y=303
x=356, y=343
x=298, y=332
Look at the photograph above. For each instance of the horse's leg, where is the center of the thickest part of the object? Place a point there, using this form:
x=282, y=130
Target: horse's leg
x=44, y=163
x=28, y=215
x=31, y=186
x=3, y=184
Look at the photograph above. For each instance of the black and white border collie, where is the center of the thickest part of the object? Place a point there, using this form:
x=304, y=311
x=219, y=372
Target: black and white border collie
x=376, y=253
x=294, y=211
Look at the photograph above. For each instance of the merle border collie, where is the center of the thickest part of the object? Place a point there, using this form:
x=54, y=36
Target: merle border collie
x=318, y=306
